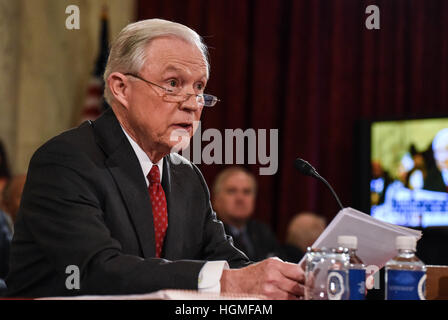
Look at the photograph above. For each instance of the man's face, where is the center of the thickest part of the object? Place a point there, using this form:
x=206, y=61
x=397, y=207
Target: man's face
x=171, y=63
x=236, y=197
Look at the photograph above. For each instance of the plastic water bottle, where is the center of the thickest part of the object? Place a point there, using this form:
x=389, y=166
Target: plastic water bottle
x=405, y=273
x=357, y=270
x=337, y=275
x=326, y=274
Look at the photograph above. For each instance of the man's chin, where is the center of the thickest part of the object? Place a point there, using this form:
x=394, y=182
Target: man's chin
x=179, y=139
x=241, y=217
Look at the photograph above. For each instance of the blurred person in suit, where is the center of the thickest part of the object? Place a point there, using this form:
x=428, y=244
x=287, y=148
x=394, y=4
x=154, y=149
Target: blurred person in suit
x=233, y=194
x=12, y=194
x=5, y=243
x=5, y=173
x=5, y=232
x=439, y=148
x=113, y=199
x=426, y=173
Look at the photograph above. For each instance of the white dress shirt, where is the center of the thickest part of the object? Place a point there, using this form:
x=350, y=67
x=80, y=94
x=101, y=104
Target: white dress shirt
x=210, y=274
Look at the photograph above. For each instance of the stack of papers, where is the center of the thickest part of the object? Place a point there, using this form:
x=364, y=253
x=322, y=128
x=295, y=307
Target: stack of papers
x=376, y=239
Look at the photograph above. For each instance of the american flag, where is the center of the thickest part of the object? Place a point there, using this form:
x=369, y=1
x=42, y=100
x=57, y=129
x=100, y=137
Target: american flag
x=94, y=103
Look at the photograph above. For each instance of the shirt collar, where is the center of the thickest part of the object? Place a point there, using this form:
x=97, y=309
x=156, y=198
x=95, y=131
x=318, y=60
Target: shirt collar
x=145, y=163
x=236, y=231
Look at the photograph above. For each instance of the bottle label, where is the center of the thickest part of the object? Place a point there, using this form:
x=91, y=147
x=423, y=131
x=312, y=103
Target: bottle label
x=337, y=288
x=357, y=281
x=406, y=285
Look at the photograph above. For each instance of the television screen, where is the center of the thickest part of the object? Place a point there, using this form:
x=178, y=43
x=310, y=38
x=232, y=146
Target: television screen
x=409, y=172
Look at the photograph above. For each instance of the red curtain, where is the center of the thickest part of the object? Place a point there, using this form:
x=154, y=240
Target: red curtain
x=311, y=69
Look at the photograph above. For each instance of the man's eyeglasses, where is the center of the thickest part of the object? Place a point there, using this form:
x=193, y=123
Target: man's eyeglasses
x=172, y=95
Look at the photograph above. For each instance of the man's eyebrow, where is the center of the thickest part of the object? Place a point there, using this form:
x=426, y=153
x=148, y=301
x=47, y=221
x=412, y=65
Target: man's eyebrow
x=172, y=68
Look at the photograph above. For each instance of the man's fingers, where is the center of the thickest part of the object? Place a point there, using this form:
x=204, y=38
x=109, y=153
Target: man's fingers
x=292, y=271
x=283, y=292
x=293, y=297
x=271, y=277
x=291, y=287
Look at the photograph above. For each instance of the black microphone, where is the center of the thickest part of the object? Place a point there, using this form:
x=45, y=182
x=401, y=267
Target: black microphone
x=305, y=168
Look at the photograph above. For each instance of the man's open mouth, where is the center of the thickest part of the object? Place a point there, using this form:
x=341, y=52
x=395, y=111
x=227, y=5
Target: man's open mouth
x=188, y=126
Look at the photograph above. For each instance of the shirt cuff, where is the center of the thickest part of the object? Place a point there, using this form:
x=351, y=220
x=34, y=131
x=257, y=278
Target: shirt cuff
x=210, y=276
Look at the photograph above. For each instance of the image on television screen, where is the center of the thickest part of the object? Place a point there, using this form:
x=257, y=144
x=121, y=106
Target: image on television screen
x=409, y=178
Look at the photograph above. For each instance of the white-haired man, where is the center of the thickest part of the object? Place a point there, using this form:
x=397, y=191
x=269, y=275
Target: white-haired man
x=110, y=198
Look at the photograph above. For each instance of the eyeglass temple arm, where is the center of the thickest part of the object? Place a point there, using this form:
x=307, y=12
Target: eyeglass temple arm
x=154, y=84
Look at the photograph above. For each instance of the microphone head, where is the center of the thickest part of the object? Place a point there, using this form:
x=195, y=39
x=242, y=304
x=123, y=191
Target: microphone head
x=305, y=168
x=308, y=170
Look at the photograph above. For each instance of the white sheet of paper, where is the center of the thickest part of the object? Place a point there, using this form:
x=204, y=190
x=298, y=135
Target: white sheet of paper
x=376, y=239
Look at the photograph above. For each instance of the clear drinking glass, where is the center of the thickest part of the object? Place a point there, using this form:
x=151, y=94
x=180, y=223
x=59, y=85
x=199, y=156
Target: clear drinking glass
x=326, y=274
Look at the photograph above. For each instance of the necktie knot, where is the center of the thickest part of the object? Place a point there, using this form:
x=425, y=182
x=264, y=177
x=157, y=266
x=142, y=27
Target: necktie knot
x=154, y=175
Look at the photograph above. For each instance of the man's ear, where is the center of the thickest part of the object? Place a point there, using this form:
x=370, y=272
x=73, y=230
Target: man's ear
x=119, y=87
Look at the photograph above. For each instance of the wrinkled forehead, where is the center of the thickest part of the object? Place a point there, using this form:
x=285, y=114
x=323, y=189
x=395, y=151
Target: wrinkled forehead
x=238, y=179
x=175, y=54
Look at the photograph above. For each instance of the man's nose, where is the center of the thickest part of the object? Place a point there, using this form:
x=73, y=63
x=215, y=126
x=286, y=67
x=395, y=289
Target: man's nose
x=240, y=197
x=190, y=103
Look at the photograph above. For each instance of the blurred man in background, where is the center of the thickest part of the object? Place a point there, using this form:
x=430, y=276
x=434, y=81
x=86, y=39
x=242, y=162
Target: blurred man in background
x=11, y=198
x=9, y=206
x=234, y=193
x=5, y=173
x=426, y=173
x=5, y=243
x=5, y=232
x=440, y=152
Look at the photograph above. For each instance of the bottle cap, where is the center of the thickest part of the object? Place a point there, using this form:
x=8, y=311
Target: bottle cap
x=349, y=242
x=405, y=243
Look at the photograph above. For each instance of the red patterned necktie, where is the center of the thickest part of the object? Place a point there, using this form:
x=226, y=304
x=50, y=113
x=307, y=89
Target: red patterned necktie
x=159, y=211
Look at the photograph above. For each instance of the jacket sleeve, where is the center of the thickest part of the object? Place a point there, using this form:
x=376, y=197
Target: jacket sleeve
x=218, y=245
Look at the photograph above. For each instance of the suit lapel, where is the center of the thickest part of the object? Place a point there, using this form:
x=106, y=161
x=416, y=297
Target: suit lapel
x=126, y=171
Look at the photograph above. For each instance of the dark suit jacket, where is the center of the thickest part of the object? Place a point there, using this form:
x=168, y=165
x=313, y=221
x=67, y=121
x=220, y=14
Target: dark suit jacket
x=263, y=240
x=85, y=203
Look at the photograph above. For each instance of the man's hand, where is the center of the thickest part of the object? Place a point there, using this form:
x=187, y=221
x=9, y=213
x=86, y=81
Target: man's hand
x=272, y=278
